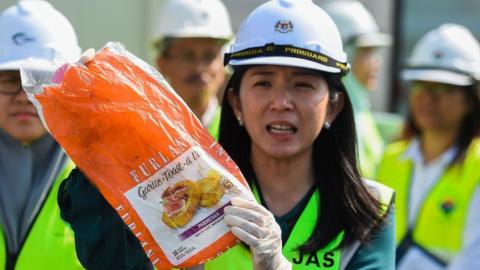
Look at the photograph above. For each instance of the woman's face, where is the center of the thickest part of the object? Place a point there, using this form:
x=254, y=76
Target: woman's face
x=437, y=106
x=18, y=116
x=283, y=109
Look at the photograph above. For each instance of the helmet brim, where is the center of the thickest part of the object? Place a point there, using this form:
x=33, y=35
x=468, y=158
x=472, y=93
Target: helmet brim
x=11, y=65
x=436, y=75
x=284, y=61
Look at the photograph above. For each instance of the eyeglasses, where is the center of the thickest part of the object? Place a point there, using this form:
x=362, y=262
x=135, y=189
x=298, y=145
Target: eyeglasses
x=435, y=91
x=10, y=87
x=189, y=57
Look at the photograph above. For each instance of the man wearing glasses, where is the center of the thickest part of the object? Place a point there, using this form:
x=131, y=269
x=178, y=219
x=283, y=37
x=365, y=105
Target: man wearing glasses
x=189, y=41
x=32, y=164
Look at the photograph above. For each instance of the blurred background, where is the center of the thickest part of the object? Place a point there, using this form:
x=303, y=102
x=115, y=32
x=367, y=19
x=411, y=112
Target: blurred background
x=133, y=22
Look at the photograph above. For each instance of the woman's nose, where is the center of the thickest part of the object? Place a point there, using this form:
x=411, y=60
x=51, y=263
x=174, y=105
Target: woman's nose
x=282, y=99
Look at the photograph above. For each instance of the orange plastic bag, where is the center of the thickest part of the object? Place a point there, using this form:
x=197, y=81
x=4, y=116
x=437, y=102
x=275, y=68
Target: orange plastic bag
x=147, y=153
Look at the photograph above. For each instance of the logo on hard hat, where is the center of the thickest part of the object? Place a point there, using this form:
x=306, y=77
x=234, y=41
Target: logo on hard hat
x=283, y=26
x=438, y=54
x=21, y=38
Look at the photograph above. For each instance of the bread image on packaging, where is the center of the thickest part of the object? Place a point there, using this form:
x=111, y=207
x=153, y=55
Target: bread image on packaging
x=180, y=203
x=147, y=153
x=212, y=190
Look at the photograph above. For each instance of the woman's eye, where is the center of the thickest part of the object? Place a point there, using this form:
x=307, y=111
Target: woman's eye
x=262, y=84
x=304, y=85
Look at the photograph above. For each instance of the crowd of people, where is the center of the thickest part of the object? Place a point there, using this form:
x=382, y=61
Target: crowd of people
x=330, y=192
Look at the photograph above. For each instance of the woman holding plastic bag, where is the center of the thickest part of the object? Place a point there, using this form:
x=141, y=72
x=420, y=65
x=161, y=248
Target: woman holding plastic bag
x=288, y=124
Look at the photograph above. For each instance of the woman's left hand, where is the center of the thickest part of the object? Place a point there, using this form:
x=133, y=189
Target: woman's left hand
x=256, y=226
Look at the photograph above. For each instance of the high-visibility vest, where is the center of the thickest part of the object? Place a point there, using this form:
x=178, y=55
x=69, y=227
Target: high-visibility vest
x=369, y=140
x=370, y=143
x=239, y=257
x=441, y=221
x=50, y=243
x=214, y=126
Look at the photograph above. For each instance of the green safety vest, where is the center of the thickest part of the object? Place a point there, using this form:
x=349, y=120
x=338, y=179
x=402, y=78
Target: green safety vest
x=369, y=140
x=50, y=243
x=370, y=143
x=214, y=127
x=239, y=257
x=441, y=220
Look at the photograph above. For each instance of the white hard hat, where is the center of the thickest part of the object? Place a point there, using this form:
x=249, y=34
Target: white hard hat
x=356, y=24
x=448, y=54
x=33, y=28
x=291, y=33
x=194, y=18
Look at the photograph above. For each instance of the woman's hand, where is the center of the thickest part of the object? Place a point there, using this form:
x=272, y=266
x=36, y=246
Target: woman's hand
x=256, y=226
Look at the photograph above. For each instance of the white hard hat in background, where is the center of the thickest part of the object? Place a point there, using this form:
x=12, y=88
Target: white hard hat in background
x=448, y=54
x=356, y=24
x=194, y=18
x=291, y=33
x=33, y=28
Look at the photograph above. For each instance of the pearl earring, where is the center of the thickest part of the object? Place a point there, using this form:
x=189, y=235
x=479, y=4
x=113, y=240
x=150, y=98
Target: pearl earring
x=240, y=122
x=326, y=125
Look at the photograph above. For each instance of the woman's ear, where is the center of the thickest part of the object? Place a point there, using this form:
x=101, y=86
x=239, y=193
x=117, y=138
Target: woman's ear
x=335, y=106
x=234, y=101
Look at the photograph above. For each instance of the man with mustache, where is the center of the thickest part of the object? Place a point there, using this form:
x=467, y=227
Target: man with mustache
x=190, y=38
x=363, y=39
x=32, y=164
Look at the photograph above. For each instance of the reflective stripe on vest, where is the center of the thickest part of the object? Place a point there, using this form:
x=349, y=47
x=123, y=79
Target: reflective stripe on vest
x=239, y=256
x=442, y=216
x=50, y=243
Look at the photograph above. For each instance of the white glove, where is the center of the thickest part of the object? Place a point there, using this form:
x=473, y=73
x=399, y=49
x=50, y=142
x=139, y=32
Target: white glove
x=256, y=227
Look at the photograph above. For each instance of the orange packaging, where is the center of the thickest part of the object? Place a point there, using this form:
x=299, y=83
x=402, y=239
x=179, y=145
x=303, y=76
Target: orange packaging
x=147, y=153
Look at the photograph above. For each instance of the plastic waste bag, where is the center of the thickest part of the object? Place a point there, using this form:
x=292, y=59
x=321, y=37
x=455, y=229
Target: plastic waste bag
x=142, y=147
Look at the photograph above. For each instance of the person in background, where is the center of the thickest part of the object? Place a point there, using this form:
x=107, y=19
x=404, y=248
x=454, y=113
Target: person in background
x=189, y=42
x=32, y=164
x=288, y=124
x=362, y=38
x=435, y=167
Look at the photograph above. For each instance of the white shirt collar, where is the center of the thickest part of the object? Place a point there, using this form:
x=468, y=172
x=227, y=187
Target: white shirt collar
x=414, y=153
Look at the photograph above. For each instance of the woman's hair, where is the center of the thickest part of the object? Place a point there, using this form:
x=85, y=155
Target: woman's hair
x=345, y=203
x=470, y=127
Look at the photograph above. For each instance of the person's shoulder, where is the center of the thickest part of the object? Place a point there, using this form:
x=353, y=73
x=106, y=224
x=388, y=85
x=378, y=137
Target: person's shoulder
x=381, y=192
x=474, y=149
x=397, y=147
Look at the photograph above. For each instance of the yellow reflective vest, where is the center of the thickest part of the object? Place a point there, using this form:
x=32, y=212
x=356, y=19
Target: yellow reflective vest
x=214, y=127
x=370, y=143
x=369, y=140
x=239, y=257
x=443, y=214
x=50, y=243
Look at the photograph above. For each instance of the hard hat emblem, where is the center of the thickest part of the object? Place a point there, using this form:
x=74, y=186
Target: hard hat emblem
x=438, y=54
x=284, y=26
x=21, y=38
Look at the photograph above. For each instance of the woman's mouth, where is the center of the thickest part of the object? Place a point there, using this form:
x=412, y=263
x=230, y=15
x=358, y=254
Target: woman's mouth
x=25, y=115
x=281, y=129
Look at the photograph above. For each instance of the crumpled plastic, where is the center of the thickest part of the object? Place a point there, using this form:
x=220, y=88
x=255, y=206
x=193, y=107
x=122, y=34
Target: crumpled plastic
x=143, y=148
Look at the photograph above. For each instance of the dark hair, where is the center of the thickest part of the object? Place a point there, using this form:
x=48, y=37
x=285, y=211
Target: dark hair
x=469, y=130
x=345, y=203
